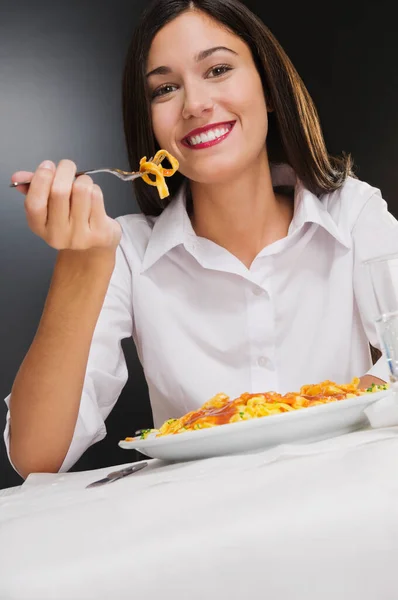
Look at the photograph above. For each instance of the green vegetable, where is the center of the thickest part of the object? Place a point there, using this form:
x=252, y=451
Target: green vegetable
x=374, y=387
x=145, y=433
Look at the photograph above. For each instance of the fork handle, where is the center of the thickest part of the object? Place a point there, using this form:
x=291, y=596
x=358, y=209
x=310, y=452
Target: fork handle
x=17, y=183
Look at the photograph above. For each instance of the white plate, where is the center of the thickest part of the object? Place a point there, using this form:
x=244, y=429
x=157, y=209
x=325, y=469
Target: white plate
x=304, y=425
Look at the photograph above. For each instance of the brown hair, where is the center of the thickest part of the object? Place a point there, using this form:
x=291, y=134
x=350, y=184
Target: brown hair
x=294, y=134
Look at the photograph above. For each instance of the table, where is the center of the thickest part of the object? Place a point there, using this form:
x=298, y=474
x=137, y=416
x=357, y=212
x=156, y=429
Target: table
x=313, y=521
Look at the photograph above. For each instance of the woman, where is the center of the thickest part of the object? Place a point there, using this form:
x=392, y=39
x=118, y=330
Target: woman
x=251, y=278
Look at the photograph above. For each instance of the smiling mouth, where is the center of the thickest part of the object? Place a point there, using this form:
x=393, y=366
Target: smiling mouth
x=209, y=136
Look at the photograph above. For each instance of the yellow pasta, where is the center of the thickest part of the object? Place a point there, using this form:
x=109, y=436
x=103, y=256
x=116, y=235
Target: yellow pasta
x=221, y=410
x=154, y=167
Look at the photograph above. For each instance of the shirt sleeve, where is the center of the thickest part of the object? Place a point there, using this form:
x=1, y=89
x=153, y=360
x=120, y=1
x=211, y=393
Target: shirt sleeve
x=375, y=234
x=106, y=372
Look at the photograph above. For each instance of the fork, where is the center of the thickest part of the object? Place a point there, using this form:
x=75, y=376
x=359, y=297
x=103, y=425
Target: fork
x=123, y=175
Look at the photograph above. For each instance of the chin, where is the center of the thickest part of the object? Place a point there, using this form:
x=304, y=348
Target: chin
x=215, y=173
x=212, y=178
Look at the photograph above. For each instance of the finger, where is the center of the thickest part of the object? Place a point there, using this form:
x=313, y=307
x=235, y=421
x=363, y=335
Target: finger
x=60, y=197
x=22, y=176
x=107, y=231
x=98, y=214
x=36, y=201
x=81, y=207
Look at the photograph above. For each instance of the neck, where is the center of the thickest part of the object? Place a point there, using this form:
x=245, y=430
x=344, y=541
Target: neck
x=243, y=215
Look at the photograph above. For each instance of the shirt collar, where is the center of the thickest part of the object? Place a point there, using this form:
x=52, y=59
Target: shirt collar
x=173, y=227
x=308, y=208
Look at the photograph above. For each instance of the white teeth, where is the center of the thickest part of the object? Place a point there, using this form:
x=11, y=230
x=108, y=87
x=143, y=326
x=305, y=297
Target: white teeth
x=209, y=136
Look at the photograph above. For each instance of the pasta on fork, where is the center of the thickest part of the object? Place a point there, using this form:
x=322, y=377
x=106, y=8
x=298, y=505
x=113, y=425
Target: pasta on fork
x=154, y=167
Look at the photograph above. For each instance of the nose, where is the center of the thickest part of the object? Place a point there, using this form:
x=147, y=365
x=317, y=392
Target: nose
x=196, y=102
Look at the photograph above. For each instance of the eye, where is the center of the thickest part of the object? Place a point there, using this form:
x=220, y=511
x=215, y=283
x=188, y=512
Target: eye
x=218, y=71
x=163, y=90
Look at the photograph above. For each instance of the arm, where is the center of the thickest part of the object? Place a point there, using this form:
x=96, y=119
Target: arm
x=49, y=399
x=75, y=369
x=46, y=393
x=375, y=234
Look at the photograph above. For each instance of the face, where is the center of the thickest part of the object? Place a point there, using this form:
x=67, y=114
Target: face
x=207, y=100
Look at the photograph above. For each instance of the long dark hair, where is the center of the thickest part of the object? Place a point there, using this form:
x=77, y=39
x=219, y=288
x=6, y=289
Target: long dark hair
x=294, y=135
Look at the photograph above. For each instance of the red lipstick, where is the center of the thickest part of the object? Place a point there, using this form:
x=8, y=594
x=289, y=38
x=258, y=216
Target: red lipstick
x=211, y=126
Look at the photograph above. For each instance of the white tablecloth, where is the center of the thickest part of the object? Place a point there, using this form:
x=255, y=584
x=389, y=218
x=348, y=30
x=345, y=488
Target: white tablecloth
x=311, y=522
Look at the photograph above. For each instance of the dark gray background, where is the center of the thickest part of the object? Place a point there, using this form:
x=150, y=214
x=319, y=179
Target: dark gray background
x=60, y=75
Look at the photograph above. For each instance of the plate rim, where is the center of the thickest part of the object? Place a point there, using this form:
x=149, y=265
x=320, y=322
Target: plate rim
x=225, y=429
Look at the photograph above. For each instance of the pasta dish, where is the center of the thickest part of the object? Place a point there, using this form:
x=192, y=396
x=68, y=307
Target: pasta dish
x=221, y=410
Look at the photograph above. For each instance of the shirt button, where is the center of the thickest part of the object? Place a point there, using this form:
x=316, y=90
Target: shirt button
x=262, y=361
x=257, y=291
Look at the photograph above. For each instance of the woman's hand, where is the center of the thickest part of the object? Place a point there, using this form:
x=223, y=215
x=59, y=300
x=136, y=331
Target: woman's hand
x=367, y=380
x=67, y=214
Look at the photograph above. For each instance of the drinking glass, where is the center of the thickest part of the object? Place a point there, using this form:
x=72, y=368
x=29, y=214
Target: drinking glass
x=384, y=277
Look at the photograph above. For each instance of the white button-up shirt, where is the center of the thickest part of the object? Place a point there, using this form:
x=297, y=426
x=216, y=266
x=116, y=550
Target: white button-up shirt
x=203, y=323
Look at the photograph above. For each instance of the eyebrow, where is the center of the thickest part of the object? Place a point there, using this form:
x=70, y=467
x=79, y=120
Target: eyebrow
x=198, y=58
